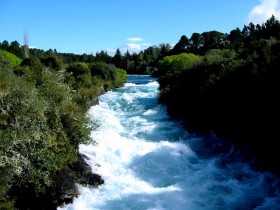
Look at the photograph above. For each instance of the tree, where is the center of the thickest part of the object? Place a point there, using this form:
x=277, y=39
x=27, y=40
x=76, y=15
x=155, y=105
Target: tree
x=127, y=58
x=181, y=46
x=104, y=71
x=52, y=61
x=235, y=38
x=195, y=42
x=271, y=28
x=118, y=59
x=5, y=45
x=212, y=40
x=77, y=69
x=15, y=49
x=103, y=57
x=163, y=50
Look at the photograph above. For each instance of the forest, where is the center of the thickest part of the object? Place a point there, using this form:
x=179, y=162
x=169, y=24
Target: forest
x=215, y=82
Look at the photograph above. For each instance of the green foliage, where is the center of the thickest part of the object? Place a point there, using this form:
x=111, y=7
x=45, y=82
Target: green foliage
x=23, y=131
x=31, y=69
x=15, y=49
x=233, y=92
x=217, y=56
x=103, y=57
x=79, y=75
x=78, y=68
x=117, y=59
x=181, y=46
x=217, y=64
x=212, y=40
x=43, y=115
x=40, y=129
x=103, y=70
x=52, y=61
x=175, y=64
x=10, y=58
x=4, y=63
x=122, y=76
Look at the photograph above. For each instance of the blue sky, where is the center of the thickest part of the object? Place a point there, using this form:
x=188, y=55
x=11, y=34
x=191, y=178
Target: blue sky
x=89, y=26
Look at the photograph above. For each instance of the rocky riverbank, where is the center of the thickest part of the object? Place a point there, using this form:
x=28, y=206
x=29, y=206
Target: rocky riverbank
x=62, y=191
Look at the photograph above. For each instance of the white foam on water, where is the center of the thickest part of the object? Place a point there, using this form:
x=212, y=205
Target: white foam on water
x=147, y=163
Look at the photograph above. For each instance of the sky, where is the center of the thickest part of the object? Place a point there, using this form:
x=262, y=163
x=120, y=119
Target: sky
x=89, y=26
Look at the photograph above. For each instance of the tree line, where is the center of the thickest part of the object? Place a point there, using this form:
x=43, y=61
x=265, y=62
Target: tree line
x=228, y=84
x=243, y=41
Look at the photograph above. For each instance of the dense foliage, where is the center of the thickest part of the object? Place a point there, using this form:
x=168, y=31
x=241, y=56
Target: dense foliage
x=232, y=90
x=43, y=104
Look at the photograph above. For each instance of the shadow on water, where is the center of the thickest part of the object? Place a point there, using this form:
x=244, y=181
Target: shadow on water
x=152, y=162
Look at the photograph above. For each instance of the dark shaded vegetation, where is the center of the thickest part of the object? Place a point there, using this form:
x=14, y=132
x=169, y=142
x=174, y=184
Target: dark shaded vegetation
x=233, y=89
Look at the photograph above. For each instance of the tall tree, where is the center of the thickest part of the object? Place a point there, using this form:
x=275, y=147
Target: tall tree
x=117, y=59
x=235, y=38
x=127, y=58
x=212, y=40
x=272, y=28
x=195, y=42
x=103, y=57
x=15, y=49
x=5, y=45
x=181, y=46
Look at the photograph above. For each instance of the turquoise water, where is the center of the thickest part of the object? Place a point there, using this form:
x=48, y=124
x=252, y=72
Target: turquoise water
x=150, y=161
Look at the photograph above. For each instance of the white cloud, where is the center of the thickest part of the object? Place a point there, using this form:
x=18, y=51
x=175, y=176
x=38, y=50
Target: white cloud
x=134, y=46
x=131, y=46
x=111, y=51
x=135, y=39
x=264, y=11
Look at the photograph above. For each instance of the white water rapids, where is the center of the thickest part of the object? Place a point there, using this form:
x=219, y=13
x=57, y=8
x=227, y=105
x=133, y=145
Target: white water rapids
x=149, y=161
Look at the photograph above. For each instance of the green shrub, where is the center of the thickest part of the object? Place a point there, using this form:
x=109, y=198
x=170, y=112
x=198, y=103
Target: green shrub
x=122, y=77
x=23, y=131
x=12, y=59
x=175, y=64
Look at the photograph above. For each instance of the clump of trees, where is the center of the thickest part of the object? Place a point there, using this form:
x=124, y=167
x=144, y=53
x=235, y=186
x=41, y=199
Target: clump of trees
x=43, y=104
x=232, y=89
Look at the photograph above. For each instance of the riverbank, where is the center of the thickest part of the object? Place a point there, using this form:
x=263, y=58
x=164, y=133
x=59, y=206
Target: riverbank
x=255, y=137
x=63, y=189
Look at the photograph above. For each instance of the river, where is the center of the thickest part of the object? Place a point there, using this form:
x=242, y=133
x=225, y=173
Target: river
x=149, y=161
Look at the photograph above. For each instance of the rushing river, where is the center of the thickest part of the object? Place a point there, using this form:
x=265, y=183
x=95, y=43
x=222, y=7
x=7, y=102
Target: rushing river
x=150, y=162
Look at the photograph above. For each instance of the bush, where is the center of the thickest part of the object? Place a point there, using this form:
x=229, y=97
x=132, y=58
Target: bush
x=12, y=59
x=24, y=130
x=175, y=64
x=40, y=130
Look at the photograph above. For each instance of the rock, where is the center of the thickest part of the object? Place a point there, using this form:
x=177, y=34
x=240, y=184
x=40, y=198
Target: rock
x=63, y=189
